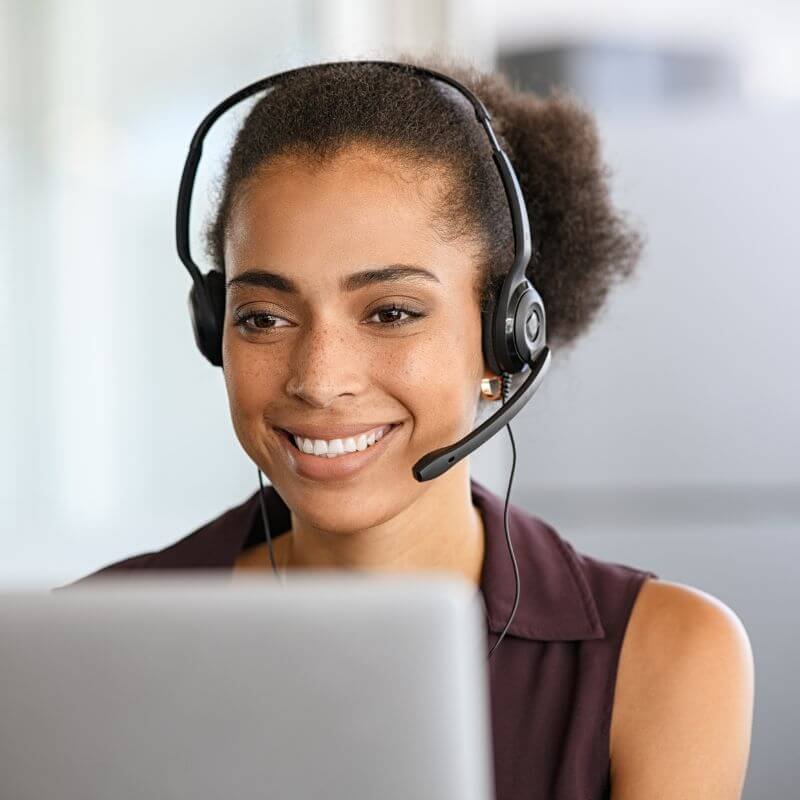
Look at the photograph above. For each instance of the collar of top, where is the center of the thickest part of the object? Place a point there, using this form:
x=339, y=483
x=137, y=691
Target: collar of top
x=556, y=602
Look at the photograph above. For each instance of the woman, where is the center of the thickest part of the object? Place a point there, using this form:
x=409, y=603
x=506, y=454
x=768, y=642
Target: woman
x=361, y=228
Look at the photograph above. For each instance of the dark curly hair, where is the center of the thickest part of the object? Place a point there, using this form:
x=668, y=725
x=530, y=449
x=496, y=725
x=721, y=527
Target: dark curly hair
x=580, y=243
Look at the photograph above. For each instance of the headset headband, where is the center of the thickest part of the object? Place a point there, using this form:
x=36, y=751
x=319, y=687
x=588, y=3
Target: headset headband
x=520, y=223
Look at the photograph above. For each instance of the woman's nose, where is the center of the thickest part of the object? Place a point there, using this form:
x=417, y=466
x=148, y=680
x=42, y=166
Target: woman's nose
x=324, y=364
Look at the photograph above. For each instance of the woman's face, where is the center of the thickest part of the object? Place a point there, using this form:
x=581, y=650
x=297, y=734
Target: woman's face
x=320, y=350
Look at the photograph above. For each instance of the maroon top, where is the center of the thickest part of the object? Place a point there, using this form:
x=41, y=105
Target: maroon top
x=551, y=680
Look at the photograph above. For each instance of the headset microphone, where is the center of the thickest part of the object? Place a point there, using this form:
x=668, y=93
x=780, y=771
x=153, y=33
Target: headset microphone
x=438, y=461
x=514, y=336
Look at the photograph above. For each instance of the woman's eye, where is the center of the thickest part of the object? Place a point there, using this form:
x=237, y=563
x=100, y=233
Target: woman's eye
x=390, y=315
x=261, y=321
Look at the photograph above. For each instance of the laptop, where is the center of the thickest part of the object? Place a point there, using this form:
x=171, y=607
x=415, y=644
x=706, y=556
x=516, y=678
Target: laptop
x=179, y=685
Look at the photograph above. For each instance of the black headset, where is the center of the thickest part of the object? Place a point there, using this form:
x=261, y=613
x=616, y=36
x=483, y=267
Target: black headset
x=513, y=326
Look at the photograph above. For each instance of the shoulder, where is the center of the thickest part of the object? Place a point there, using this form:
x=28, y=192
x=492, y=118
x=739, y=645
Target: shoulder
x=213, y=544
x=684, y=694
x=674, y=627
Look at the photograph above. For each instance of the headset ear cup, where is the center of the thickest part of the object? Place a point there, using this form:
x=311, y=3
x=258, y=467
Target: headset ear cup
x=488, y=340
x=530, y=324
x=207, y=312
x=215, y=282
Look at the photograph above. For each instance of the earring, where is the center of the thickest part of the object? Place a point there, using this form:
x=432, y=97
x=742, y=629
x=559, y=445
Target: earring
x=492, y=388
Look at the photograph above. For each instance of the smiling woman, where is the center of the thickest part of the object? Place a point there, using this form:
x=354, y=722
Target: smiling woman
x=324, y=338
x=361, y=229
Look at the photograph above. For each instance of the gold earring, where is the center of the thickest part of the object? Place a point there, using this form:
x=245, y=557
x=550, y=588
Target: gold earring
x=492, y=388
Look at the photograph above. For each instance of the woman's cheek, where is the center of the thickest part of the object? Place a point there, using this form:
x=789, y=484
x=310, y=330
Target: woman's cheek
x=249, y=395
x=432, y=387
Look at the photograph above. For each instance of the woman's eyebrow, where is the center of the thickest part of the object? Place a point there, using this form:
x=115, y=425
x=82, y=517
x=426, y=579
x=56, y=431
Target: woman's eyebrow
x=266, y=279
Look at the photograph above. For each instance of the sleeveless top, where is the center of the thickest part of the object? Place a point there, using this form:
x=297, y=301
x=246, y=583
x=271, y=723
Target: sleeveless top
x=551, y=680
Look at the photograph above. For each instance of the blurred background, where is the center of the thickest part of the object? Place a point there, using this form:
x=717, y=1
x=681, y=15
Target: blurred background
x=668, y=439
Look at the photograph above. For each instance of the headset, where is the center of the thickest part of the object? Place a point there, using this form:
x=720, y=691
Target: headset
x=513, y=326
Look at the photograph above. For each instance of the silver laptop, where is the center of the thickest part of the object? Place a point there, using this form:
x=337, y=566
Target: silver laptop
x=191, y=685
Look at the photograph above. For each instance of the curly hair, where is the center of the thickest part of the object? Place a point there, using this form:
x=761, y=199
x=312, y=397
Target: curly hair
x=581, y=244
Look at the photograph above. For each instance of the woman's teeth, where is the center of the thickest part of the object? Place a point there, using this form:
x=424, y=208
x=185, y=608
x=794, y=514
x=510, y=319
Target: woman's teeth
x=339, y=447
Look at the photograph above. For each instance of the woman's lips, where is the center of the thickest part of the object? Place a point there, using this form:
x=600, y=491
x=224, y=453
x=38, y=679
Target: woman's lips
x=322, y=468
